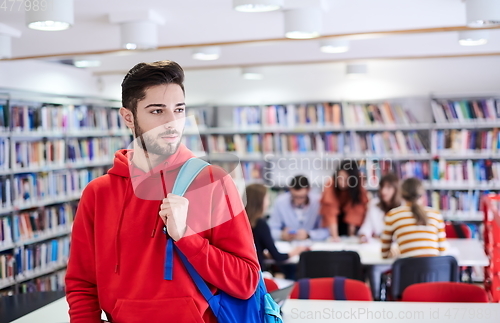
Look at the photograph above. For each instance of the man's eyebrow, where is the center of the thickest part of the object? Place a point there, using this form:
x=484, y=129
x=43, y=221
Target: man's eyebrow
x=158, y=105
x=161, y=105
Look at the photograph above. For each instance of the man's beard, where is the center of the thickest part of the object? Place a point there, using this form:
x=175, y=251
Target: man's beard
x=151, y=145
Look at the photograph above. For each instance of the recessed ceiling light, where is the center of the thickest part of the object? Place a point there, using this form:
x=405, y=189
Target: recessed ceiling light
x=86, y=62
x=59, y=15
x=303, y=23
x=473, y=37
x=481, y=13
x=207, y=53
x=252, y=73
x=257, y=5
x=334, y=46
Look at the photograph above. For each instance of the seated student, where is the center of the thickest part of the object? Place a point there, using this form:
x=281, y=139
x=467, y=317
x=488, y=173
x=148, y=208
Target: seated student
x=295, y=214
x=388, y=199
x=344, y=201
x=373, y=225
x=257, y=204
x=418, y=230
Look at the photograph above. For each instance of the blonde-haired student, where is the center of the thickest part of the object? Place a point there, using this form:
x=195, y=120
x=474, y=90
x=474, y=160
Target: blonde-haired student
x=418, y=230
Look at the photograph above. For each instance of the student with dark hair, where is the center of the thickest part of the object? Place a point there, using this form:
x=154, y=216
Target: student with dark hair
x=344, y=201
x=388, y=199
x=119, y=261
x=257, y=204
x=418, y=230
x=295, y=214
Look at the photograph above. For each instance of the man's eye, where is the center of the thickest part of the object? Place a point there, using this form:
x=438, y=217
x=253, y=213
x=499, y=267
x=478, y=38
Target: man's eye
x=179, y=110
x=158, y=111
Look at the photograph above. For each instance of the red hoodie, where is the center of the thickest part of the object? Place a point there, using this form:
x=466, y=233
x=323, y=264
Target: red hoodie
x=118, y=247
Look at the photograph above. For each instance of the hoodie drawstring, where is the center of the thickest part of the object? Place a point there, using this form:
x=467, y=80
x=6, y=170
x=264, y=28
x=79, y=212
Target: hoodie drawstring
x=119, y=227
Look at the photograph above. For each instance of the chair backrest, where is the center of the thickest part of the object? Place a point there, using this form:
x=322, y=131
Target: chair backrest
x=270, y=285
x=457, y=230
x=409, y=271
x=445, y=292
x=336, y=288
x=319, y=264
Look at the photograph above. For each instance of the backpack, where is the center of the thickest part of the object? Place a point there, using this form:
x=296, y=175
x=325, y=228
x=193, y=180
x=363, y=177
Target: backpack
x=259, y=308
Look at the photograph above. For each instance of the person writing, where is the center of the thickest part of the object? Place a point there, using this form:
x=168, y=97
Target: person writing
x=257, y=204
x=344, y=201
x=118, y=250
x=295, y=214
x=388, y=199
x=417, y=230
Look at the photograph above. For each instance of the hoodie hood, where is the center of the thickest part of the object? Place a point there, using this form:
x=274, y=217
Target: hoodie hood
x=123, y=166
x=147, y=185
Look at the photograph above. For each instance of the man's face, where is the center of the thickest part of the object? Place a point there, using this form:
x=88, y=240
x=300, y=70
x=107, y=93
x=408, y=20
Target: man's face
x=299, y=197
x=160, y=119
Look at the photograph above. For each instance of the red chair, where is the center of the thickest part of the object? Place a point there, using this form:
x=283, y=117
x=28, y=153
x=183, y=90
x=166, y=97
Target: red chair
x=457, y=230
x=461, y=231
x=336, y=288
x=444, y=292
x=271, y=285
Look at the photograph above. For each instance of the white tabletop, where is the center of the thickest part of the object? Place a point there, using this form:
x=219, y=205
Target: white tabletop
x=468, y=252
x=316, y=311
x=313, y=311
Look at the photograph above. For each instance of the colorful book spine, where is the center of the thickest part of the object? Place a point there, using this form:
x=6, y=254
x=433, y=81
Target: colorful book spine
x=465, y=111
x=32, y=258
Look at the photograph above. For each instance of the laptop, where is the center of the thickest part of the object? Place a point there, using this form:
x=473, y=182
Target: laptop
x=281, y=295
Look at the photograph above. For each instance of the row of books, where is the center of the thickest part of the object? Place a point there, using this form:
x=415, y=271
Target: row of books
x=321, y=114
x=449, y=111
x=452, y=201
x=67, y=118
x=394, y=143
x=57, y=152
x=48, y=283
x=37, y=224
x=37, y=257
x=467, y=171
x=465, y=141
x=376, y=114
x=4, y=153
x=250, y=171
x=291, y=116
x=30, y=259
x=3, y=117
x=31, y=188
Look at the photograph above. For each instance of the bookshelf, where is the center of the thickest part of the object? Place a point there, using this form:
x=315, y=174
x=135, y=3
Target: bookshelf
x=51, y=147
x=453, y=146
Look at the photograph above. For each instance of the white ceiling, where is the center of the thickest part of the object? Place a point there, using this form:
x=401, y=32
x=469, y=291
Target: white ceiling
x=193, y=22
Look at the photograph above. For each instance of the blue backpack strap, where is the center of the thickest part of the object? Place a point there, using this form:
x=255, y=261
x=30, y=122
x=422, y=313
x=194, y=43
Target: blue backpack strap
x=304, y=288
x=339, y=289
x=188, y=172
x=199, y=282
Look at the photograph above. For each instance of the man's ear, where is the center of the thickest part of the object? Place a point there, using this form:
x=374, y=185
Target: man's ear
x=128, y=117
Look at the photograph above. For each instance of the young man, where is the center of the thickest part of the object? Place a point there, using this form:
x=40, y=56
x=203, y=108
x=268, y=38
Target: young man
x=295, y=214
x=117, y=260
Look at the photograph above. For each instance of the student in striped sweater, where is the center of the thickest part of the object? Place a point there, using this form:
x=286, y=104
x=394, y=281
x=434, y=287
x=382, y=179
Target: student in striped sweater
x=418, y=230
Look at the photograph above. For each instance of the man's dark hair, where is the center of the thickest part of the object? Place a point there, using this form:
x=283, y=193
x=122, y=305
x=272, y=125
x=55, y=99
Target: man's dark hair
x=298, y=182
x=145, y=75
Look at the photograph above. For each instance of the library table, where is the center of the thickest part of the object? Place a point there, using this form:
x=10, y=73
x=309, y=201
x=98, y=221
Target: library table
x=468, y=252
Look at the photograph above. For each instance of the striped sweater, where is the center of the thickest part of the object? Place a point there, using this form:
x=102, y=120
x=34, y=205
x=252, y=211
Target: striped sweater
x=413, y=240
